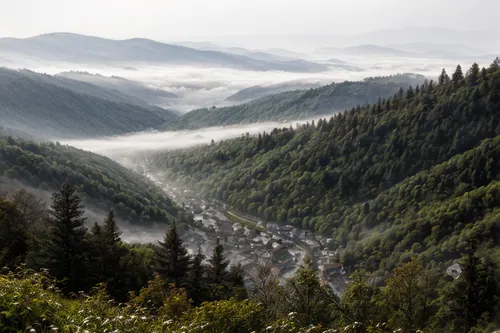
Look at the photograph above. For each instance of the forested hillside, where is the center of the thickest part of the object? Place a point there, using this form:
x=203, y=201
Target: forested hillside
x=100, y=181
x=300, y=104
x=56, y=107
x=410, y=175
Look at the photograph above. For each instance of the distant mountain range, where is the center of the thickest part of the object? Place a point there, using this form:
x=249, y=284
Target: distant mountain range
x=410, y=50
x=299, y=104
x=76, y=48
x=59, y=107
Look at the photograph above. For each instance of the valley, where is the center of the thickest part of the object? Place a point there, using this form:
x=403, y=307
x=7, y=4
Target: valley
x=303, y=168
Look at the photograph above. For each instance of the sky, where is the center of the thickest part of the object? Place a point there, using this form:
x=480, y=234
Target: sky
x=167, y=20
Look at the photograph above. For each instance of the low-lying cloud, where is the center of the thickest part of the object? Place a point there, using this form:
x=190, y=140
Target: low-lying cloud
x=205, y=87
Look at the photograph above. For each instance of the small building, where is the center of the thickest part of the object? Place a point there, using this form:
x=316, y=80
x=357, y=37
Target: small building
x=454, y=271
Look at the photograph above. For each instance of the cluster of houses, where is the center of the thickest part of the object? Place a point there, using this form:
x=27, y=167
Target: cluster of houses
x=283, y=247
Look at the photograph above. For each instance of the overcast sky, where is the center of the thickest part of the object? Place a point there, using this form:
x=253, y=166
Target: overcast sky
x=185, y=19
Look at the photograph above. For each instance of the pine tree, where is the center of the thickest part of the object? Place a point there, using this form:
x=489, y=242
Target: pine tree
x=473, y=75
x=458, y=76
x=218, y=264
x=444, y=78
x=107, y=253
x=172, y=258
x=64, y=252
x=196, y=278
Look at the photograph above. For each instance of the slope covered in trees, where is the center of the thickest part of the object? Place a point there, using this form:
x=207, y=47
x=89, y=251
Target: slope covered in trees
x=99, y=180
x=407, y=176
x=300, y=104
x=57, y=107
x=163, y=288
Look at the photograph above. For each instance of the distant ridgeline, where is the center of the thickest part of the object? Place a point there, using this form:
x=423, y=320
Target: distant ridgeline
x=58, y=107
x=300, y=104
x=412, y=175
x=100, y=181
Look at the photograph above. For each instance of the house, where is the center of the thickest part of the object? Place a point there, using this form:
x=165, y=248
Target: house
x=272, y=226
x=454, y=271
x=332, y=269
x=287, y=228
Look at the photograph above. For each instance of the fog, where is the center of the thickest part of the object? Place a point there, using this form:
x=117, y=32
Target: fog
x=199, y=87
x=125, y=149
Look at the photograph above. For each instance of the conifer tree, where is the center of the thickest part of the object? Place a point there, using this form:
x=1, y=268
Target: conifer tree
x=197, y=277
x=172, y=258
x=64, y=252
x=473, y=75
x=443, y=78
x=107, y=253
x=218, y=264
x=458, y=75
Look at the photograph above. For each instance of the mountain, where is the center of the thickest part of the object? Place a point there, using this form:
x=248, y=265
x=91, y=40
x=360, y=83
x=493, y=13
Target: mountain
x=257, y=91
x=300, y=104
x=101, y=182
x=374, y=50
x=141, y=93
x=74, y=48
x=363, y=51
x=433, y=49
x=411, y=176
x=58, y=107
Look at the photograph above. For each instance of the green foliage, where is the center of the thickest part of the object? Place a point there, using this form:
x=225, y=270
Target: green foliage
x=64, y=250
x=100, y=181
x=409, y=176
x=172, y=258
x=300, y=104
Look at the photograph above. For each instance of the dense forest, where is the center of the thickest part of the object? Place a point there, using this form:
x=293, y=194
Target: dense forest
x=412, y=175
x=300, y=104
x=100, y=181
x=57, y=107
x=58, y=276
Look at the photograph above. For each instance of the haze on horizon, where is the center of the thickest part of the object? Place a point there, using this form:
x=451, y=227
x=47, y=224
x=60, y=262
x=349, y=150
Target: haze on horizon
x=264, y=23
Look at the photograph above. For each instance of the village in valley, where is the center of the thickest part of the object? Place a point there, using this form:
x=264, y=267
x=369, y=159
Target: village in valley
x=251, y=242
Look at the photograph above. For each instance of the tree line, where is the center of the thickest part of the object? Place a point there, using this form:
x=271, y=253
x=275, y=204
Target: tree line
x=411, y=175
x=73, y=279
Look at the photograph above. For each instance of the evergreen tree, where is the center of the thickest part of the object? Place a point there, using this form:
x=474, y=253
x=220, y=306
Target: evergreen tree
x=14, y=238
x=64, y=252
x=218, y=264
x=443, y=78
x=458, y=76
x=107, y=253
x=197, y=278
x=172, y=258
x=473, y=74
x=474, y=294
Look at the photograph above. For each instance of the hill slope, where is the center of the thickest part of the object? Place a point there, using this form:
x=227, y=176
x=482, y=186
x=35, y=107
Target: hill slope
x=300, y=104
x=76, y=48
x=261, y=91
x=101, y=182
x=137, y=92
x=57, y=107
x=340, y=177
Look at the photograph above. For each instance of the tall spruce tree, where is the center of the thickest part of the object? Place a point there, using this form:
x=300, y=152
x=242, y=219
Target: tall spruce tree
x=218, y=264
x=64, y=251
x=172, y=258
x=115, y=251
x=443, y=77
x=197, y=278
x=458, y=76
